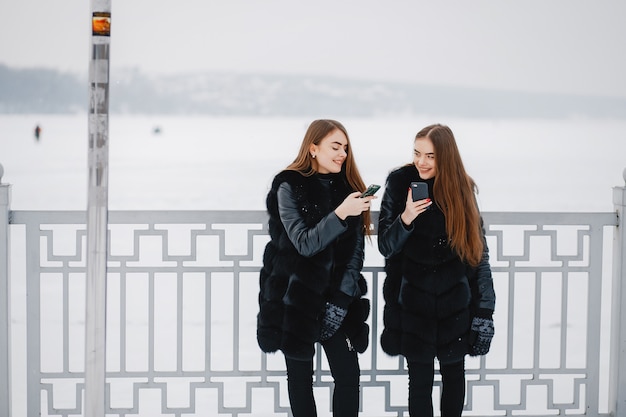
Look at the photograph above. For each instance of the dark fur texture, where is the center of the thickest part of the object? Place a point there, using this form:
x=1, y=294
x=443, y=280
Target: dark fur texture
x=430, y=294
x=294, y=288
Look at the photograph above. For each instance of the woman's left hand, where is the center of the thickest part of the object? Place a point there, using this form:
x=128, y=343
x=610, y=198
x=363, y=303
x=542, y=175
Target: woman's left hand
x=481, y=333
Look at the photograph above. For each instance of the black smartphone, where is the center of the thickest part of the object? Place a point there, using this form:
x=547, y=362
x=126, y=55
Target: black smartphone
x=419, y=190
x=371, y=190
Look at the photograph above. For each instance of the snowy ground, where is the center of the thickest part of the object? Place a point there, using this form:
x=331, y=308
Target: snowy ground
x=198, y=163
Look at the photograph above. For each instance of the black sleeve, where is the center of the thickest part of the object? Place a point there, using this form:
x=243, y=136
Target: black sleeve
x=392, y=233
x=308, y=241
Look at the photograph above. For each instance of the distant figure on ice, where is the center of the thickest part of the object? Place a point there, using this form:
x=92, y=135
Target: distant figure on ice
x=37, y=132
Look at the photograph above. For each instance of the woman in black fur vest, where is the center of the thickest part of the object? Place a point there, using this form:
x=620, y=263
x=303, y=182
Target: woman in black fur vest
x=439, y=297
x=311, y=287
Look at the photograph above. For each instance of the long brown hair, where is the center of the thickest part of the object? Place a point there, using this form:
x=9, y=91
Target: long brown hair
x=317, y=131
x=455, y=193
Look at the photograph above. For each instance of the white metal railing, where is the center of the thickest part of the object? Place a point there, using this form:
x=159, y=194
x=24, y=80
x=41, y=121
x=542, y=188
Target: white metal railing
x=181, y=317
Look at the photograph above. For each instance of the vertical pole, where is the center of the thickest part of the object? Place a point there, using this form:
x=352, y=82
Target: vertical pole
x=97, y=210
x=5, y=328
x=617, y=364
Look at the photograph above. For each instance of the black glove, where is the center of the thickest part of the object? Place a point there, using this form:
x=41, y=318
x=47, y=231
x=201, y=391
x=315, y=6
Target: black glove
x=333, y=317
x=481, y=333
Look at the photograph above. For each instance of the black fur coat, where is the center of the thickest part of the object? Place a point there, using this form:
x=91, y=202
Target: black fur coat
x=430, y=294
x=297, y=281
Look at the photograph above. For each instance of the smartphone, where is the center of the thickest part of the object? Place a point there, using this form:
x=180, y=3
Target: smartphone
x=419, y=190
x=371, y=190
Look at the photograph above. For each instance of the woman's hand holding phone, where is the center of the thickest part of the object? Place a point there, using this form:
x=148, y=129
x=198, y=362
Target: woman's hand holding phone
x=353, y=205
x=414, y=208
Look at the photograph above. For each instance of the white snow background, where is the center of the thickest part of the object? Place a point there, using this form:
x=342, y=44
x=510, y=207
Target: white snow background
x=209, y=163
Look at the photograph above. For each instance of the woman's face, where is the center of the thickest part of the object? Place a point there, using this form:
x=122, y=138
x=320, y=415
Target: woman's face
x=424, y=158
x=331, y=152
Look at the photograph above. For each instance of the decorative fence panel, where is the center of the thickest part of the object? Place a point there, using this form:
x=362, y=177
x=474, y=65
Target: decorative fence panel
x=182, y=303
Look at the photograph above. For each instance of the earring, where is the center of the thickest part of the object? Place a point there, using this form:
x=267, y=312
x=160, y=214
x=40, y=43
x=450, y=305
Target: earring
x=313, y=156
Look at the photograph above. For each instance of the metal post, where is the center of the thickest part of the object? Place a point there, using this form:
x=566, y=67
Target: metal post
x=97, y=210
x=617, y=385
x=5, y=328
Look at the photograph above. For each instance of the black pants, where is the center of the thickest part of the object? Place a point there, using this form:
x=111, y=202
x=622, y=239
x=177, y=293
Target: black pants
x=344, y=367
x=421, y=378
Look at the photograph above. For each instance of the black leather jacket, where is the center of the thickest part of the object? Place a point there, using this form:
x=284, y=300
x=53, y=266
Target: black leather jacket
x=313, y=257
x=309, y=241
x=430, y=294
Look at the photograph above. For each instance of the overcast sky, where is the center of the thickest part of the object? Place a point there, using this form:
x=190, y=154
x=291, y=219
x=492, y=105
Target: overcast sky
x=567, y=46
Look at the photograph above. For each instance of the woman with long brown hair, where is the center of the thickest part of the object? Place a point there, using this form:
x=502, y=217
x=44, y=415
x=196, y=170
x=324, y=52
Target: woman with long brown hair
x=311, y=287
x=438, y=291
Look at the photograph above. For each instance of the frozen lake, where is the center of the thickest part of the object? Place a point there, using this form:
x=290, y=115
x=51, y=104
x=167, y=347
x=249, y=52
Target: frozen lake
x=212, y=163
x=204, y=163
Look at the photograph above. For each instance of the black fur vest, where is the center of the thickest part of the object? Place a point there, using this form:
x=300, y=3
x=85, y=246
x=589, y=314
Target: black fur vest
x=427, y=290
x=294, y=288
